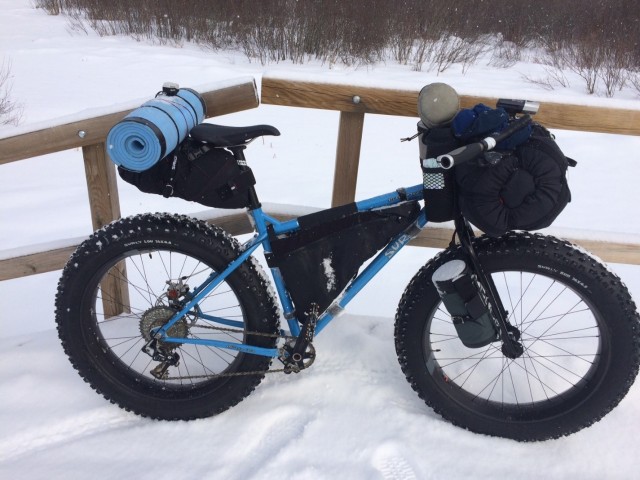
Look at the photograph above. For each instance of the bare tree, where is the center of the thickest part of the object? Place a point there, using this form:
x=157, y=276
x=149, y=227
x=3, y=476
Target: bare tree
x=10, y=111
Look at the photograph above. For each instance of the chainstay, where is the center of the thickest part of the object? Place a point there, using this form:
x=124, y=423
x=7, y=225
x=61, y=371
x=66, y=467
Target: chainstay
x=235, y=374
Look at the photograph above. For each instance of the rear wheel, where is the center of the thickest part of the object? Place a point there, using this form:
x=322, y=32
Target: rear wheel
x=127, y=280
x=577, y=323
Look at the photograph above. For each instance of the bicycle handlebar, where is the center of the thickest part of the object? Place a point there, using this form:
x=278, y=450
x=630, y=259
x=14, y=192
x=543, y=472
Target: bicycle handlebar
x=471, y=151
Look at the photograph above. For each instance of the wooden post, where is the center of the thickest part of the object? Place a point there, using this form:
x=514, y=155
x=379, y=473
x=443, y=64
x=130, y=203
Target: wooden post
x=102, y=185
x=347, y=158
x=104, y=203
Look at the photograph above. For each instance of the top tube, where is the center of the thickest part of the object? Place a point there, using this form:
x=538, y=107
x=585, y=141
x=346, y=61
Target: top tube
x=392, y=198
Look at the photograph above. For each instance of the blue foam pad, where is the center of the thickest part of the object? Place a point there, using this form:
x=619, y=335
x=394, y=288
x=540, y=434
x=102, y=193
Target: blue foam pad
x=152, y=131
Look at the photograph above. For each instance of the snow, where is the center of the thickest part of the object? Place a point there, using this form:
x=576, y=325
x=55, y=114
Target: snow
x=352, y=415
x=329, y=273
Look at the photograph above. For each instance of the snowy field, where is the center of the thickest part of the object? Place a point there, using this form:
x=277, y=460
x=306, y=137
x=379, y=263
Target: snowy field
x=352, y=415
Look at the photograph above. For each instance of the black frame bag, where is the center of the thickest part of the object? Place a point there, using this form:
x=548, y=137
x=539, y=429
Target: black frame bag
x=318, y=260
x=199, y=173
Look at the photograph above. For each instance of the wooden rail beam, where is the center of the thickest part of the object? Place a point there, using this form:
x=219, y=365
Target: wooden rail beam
x=238, y=224
x=220, y=101
x=55, y=259
x=383, y=101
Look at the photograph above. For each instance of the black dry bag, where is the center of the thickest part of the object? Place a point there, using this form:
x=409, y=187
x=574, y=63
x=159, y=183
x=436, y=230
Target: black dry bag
x=197, y=172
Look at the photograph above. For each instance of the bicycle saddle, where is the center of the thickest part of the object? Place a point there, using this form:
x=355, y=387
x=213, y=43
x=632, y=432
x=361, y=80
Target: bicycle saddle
x=223, y=136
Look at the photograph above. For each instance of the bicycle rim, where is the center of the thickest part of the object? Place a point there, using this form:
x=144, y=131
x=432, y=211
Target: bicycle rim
x=562, y=342
x=123, y=323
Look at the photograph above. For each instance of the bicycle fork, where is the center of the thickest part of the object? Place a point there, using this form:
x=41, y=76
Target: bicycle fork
x=508, y=334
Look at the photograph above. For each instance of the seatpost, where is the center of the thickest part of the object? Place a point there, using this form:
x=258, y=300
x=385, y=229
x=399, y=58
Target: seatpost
x=238, y=154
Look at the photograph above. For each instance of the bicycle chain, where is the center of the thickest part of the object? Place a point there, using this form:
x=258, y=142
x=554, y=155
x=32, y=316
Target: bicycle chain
x=235, y=374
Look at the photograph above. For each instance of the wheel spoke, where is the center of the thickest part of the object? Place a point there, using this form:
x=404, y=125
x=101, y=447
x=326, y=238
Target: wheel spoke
x=147, y=277
x=547, y=314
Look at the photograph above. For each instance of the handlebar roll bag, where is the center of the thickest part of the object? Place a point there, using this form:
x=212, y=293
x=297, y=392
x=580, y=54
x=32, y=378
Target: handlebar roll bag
x=526, y=190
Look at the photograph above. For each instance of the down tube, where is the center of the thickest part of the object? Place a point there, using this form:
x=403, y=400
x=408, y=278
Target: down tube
x=372, y=270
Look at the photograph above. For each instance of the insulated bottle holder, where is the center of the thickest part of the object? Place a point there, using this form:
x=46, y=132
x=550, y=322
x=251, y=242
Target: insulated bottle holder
x=438, y=183
x=466, y=302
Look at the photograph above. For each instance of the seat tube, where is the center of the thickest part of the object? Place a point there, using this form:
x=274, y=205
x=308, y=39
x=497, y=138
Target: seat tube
x=285, y=300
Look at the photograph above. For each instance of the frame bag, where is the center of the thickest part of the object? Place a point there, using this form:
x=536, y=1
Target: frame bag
x=199, y=173
x=318, y=260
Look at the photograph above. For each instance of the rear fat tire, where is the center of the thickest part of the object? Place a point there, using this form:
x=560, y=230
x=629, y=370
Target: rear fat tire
x=542, y=396
x=121, y=373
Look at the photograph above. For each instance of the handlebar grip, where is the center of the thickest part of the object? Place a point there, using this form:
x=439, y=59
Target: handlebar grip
x=461, y=155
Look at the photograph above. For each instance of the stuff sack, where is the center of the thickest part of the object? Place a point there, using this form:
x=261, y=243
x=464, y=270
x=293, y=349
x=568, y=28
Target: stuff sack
x=438, y=183
x=199, y=173
x=473, y=124
x=526, y=190
x=318, y=260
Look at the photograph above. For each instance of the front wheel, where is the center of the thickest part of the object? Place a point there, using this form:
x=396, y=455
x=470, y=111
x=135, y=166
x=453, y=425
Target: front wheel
x=578, y=326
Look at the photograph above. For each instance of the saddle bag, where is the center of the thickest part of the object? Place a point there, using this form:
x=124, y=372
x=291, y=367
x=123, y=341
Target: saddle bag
x=318, y=260
x=199, y=173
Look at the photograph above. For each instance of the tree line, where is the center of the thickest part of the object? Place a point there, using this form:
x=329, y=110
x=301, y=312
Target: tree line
x=598, y=39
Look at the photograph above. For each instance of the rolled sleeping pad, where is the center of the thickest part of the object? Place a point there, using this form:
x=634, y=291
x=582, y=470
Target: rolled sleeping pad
x=155, y=129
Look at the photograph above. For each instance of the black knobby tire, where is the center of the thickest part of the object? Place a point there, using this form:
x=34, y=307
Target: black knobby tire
x=579, y=329
x=113, y=291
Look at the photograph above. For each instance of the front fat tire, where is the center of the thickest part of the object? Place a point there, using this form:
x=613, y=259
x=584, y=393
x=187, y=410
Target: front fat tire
x=545, y=397
x=106, y=352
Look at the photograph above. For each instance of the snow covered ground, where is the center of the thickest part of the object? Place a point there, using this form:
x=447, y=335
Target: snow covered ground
x=352, y=415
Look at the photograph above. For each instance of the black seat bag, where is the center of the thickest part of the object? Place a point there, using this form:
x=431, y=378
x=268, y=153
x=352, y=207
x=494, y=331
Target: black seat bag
x=199, y=173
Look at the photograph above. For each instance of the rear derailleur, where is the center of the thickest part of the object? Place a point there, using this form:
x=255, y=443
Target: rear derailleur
x=165, y=356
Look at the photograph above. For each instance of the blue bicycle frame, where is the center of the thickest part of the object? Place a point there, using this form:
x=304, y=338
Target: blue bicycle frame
x=261, y=221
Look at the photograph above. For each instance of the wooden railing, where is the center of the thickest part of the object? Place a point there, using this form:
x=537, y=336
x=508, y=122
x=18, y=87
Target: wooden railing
x=91, y=134
x=352, y=101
